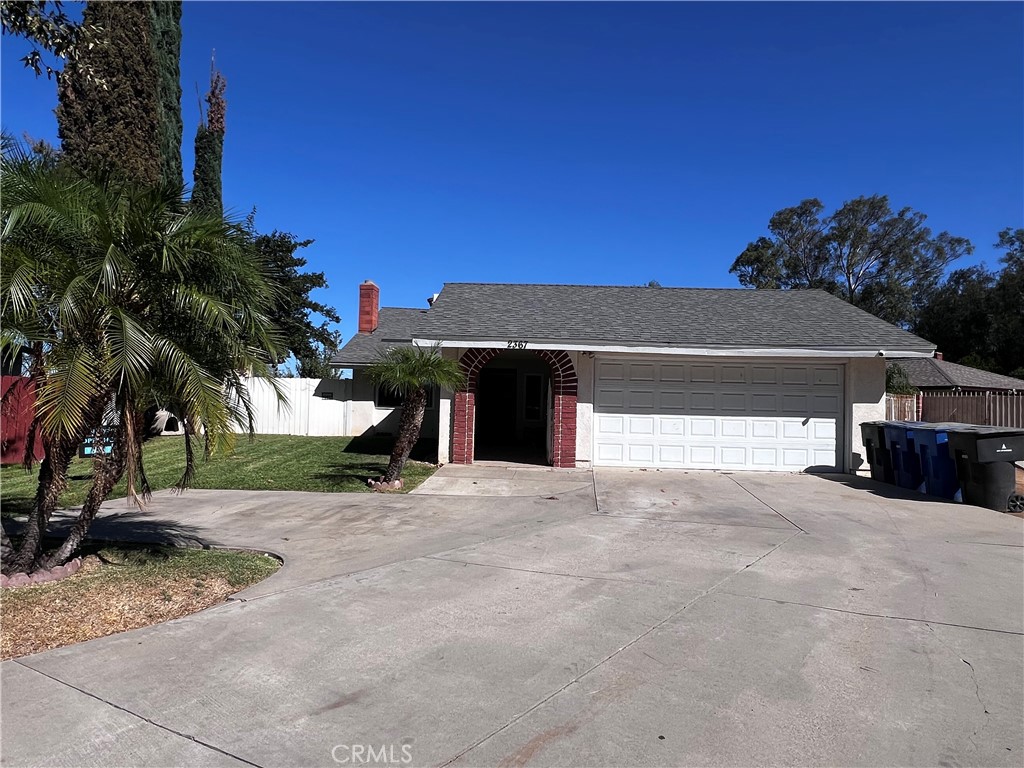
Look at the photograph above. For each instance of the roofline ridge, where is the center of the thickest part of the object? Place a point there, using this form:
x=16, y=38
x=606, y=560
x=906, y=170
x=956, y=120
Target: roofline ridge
x=639, y=287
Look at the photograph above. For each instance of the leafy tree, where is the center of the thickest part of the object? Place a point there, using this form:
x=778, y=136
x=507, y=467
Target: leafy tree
x=166, y=19
x=293, y=306
x=120, y=90
x=1008, y=305
x=47, y=26
x=897, y=382
x=874, y=258
x=976, y=317
x=957, y=317
x=124, y=298
x=318, y=365
x=410, y=372
x=209, y=155
x=113, y=122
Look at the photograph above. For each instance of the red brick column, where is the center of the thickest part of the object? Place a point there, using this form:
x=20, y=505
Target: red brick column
x=563, y=419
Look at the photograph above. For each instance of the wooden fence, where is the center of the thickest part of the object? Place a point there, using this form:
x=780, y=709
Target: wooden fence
x=901, y=407
x=997, y=409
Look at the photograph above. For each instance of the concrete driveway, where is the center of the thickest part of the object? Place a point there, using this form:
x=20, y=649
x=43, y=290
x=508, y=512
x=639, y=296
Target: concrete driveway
x=645, y=618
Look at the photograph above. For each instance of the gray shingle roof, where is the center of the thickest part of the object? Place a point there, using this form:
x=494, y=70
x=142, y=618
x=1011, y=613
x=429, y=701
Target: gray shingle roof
x=931, y=373
x=394, y=328
x=686, y=317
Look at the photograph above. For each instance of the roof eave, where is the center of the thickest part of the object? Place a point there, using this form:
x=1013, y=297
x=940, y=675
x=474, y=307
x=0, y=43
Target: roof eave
x=671, y=349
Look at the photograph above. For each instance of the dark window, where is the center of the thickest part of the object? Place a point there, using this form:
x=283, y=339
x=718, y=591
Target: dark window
x=387, y=398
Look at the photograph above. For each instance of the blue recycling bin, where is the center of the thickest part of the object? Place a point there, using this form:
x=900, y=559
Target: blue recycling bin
x=938, y=467
x=906, y=462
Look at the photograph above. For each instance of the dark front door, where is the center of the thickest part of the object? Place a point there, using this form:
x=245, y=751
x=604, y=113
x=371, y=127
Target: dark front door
x=496, y=401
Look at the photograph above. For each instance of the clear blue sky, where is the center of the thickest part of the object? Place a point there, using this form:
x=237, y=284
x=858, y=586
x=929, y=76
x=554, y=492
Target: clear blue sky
x=590, y=143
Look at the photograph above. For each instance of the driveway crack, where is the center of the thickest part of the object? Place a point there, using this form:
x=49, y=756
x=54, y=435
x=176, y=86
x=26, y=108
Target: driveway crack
x=762, y=501
x=145, y=719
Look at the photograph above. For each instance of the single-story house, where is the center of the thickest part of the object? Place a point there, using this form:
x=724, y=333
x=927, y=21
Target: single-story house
x=933, y=374
x=582, y=375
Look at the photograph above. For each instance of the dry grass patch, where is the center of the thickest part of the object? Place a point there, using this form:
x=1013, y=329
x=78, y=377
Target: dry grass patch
x=122, y=587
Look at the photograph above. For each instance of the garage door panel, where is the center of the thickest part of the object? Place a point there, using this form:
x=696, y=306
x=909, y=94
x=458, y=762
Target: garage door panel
x=611, y=425
x=796, y=376
x=672, y=426
x=734, y=374
x=828, y=377
x=764, y=458
x=703, y=456
x=823, y=429
x=794, y=430
x=673, y=373
x=717, y=415
x=734, y=457
x=611, y=372
x=733, y=401
x=671, y=455
x=702, y=374
x=734, y=428
x=640, y=453
x=610, y=453
x=703, y=401
x=641, y=425
x=703, y=427
x=826, y=404
x=611, y=398
x=640, y=400
x=670, y=400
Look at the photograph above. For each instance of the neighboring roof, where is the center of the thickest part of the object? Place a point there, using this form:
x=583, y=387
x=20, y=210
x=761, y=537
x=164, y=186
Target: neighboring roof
x=394, y=328
x=683, y=317
x=932, y=373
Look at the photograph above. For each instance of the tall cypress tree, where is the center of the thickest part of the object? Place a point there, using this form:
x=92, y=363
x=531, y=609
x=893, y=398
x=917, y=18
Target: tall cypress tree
x=206, y=176
x=109, y=110
x=167, y=48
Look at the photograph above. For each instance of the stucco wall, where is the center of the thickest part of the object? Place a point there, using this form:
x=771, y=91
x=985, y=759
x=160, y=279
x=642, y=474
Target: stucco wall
x=865, y=401
x=368, y=418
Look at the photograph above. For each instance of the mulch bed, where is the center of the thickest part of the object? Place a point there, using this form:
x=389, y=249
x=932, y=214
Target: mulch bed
x=103, y=599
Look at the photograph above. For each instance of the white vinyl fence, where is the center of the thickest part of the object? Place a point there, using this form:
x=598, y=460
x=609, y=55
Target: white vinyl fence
x=321, y=407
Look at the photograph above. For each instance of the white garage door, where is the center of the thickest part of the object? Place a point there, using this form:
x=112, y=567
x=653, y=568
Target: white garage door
x=717, y=415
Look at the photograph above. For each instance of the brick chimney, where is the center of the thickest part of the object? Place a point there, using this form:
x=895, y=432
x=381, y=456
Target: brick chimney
x=938, y=355
x=369, y=306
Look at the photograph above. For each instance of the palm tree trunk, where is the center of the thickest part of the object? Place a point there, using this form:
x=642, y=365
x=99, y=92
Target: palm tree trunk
x=408, y=433
x=53, y=479
x=107, y=472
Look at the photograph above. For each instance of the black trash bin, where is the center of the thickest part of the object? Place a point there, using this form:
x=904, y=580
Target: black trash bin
x=985, y=459
x=877, y=450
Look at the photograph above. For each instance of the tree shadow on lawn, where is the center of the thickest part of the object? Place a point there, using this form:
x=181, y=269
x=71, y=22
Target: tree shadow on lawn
x=379, y=446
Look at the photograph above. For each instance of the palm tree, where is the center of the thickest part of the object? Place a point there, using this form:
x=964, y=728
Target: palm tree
x=124, y=297
x=410, y=372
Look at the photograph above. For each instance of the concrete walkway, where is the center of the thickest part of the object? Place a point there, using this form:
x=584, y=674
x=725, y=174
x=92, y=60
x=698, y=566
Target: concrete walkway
x=673, y=619
x=487, y=478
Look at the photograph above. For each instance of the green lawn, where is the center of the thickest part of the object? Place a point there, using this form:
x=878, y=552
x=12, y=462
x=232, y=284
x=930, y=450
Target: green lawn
x=268, y=463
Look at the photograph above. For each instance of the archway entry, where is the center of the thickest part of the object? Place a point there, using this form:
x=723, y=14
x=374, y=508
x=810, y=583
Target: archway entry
x=517, y=406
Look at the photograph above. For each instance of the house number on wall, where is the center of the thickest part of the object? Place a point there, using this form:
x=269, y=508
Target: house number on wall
x=516, y=344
